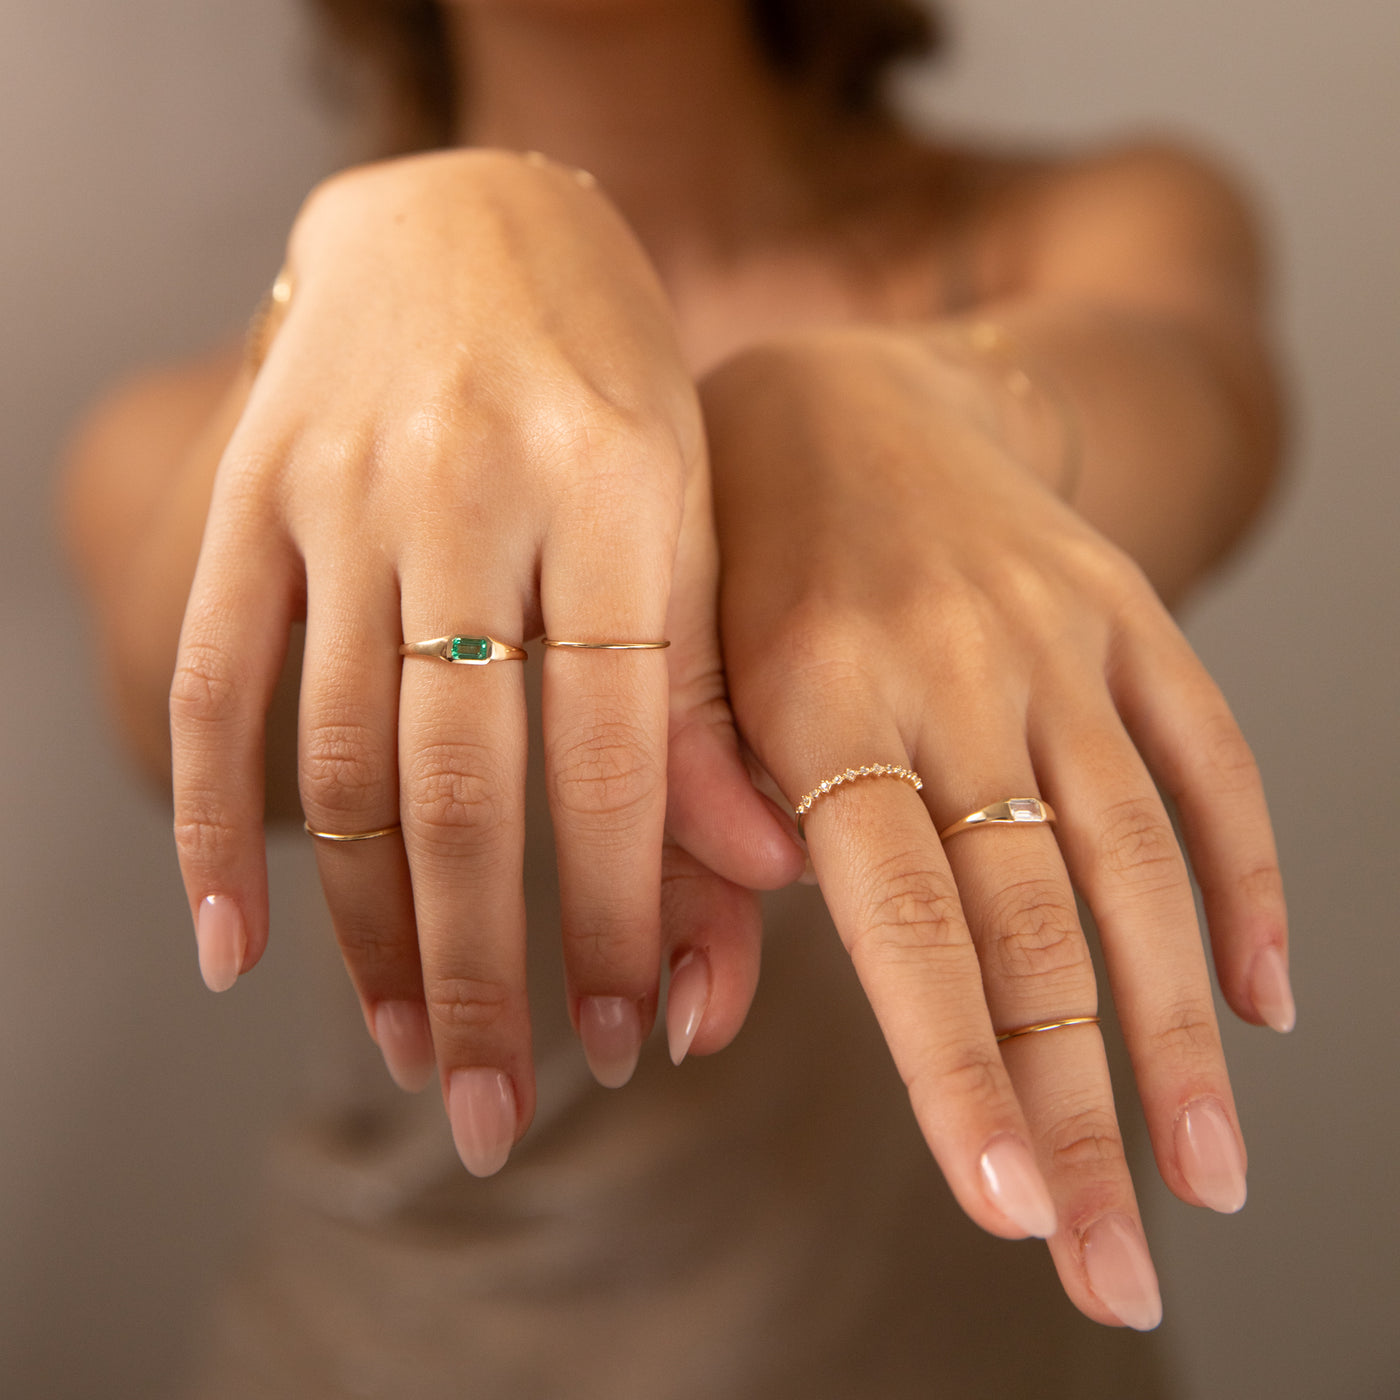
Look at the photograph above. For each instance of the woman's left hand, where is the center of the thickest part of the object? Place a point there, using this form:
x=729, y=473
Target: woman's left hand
x=898, y=590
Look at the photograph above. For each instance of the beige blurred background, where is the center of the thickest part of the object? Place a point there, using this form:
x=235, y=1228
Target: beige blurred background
x=152, y=153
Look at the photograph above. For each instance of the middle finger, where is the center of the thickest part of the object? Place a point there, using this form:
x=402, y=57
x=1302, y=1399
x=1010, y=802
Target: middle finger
x=1036, y=970
x=462, y=752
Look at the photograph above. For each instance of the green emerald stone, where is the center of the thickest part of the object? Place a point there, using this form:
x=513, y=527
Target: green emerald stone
x=471, y=648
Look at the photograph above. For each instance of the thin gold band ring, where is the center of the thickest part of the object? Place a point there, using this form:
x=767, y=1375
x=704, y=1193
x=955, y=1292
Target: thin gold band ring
x=1047, y=1026
x=350, y=836
x=606, y=646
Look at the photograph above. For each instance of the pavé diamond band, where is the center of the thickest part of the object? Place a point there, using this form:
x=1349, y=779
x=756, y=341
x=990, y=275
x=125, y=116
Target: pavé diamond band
x=870, y=770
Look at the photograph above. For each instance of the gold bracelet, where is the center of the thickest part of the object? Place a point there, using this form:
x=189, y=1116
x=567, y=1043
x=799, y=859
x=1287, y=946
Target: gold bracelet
x=1029, y=393
x=266, y=321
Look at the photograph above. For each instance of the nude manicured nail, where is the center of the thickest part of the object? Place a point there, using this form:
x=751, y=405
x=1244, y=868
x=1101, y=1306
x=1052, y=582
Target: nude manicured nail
x=402, y=1033
x=1273, y=996
x=481, y=1108
x=686, y=1000
x=222, y=941
x=1208, y=1151
x=1016, y=1187
x=1121, y=1273
x=611, y=1031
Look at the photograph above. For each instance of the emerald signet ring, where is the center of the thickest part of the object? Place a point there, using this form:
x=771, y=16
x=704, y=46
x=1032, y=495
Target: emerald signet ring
x=464, y=651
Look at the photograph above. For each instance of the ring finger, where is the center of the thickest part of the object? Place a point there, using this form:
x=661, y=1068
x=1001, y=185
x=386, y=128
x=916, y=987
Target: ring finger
x=1036, y=971
x=1125, y=857
x=348, y=767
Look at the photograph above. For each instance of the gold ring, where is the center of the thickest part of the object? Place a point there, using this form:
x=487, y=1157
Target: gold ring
x=607, y=646
x=351, y=836
x=464, y=651
x=267, y=319
x=871, y=770
x=1014, y=809
x=1047, y=1026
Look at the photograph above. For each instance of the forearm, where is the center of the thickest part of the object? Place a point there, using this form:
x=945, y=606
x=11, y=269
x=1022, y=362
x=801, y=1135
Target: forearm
x=1163, y=434
x=134, y=500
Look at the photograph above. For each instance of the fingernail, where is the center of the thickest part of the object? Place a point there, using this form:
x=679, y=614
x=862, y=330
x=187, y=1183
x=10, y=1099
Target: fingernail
x=611, y=1031
x=686, y=1000
x=1210, y=1157
x=405, y=1040
x=218, y=931
x=1121, y=1273
x=1273, y=997
x=1016, y=1187
x=481, y=1107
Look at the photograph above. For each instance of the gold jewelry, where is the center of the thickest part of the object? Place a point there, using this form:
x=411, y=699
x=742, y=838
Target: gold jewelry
x=464, y=651
x=1014, y=809
x=351, y=836
x=871, y=770
x=607, y=646
x=1047, y=1026
x=267, y=319
x=586, y=178
x=1019, y=421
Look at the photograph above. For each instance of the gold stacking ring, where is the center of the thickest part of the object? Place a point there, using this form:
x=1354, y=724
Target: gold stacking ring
x=1047, y=1026
x=1015, y=809
x=351, y=836
x=607, y=646
x=464, y=651
x=871, y=770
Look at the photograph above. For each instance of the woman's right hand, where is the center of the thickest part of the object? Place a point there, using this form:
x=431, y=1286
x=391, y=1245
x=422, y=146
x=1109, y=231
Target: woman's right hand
x=473, y=420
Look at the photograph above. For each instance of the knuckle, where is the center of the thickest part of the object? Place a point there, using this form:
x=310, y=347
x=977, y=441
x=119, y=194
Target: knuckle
x=914, y=916
x=453, y=794
x=474, y=1005
x=1137, y=843
x=796, y=674
x=609, y=771
x=1088, y=1140
x=1262, y=885
x=202, y=835
x=1227, y=754
x=606, y=947
x=963, y=1076
x=964, y=622
x=1189, y=1033
x=369, y=949
x=341, y=772
x=1033, y=932
x=203, y=691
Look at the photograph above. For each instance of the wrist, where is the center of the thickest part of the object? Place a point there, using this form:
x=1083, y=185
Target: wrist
x=966, y=375
x=1015, y=401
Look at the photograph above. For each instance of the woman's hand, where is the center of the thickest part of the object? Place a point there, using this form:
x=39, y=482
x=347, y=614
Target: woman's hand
x=473, y=420
x=898, y=590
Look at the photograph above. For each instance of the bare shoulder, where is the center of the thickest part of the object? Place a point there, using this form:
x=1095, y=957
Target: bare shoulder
x=129, y=443
x=1153, y=218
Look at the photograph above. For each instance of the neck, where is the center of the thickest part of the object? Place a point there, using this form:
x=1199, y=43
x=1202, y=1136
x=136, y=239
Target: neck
x=667, y=102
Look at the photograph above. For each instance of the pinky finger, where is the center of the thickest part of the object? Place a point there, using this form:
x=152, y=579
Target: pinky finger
x=713, y=934
x=1184, y=729
x=232, y=647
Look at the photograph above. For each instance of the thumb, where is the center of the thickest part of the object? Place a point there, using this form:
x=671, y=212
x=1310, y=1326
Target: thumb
x=713, y=810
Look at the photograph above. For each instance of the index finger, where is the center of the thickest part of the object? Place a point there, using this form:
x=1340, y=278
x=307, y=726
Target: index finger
x=892, y=897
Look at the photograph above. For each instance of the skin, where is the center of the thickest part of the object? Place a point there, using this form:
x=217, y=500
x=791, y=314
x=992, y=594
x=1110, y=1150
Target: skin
x=899, y=585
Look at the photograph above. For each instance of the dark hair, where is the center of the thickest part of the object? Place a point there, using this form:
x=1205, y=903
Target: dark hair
x=838, y=49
